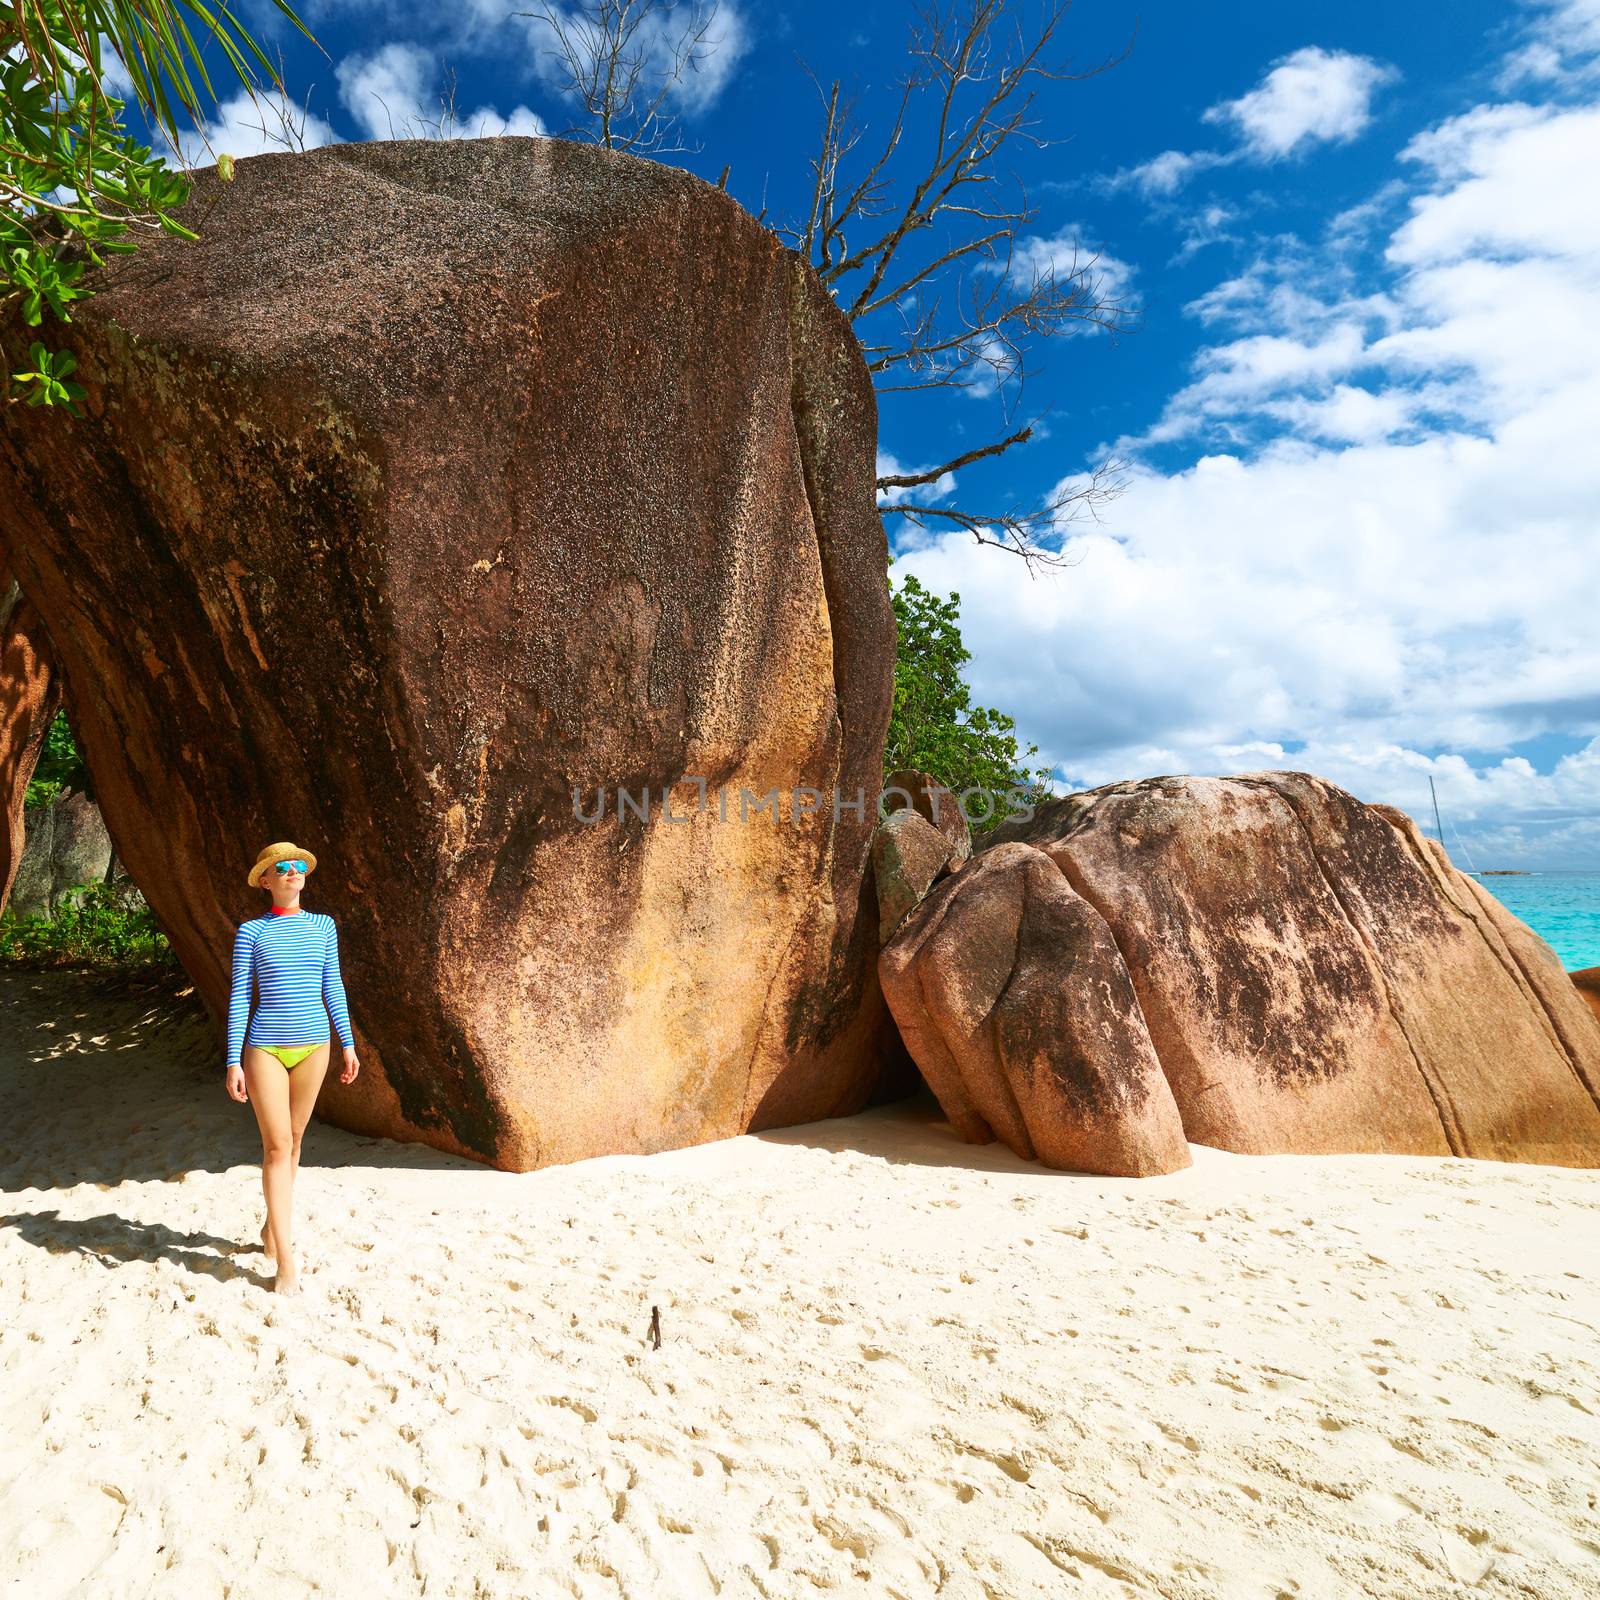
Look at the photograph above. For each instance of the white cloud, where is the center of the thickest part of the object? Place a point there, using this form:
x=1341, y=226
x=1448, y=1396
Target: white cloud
x=655, y=41
x=1535, y=62
x=395, y=93
x=1356, y=224
x=1207, y=226
x=1293, y=293
x=1562, y=46
x=1244, y=373
x=1413, y=567
x=511, y=31
x=389, y=90
x=242, y=126
x=1573, y=24
x=1314, y=96
x=1346, y=415
x=1163, y=175
x=1067, y=254
x=486, y=122
x=1263, y=362
x=1513, y=176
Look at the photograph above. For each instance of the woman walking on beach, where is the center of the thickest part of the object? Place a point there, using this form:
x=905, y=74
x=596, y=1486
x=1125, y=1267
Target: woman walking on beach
x=292, y=956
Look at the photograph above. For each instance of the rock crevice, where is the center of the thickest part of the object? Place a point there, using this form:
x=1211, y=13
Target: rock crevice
x=1449, y=1121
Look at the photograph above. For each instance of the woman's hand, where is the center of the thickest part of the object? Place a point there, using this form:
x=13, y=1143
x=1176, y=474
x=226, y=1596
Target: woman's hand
x=351, y=1065
x=236, y=1088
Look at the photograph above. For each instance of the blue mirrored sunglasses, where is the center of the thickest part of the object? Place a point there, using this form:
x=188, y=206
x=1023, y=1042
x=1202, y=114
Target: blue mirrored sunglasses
x=284, y=868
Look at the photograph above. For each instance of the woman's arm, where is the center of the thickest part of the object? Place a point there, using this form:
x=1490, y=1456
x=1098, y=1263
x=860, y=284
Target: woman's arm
x=333, y=988
x=244, y=954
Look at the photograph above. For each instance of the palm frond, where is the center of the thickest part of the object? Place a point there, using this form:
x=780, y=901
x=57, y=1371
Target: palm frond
x=160, y=43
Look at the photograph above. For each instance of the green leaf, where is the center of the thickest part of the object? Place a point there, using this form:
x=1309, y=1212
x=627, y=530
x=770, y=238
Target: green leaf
x=933, y=725
x=77, y=187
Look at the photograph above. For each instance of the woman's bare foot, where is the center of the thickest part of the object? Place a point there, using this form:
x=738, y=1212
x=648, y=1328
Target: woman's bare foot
x=287, y=1281
x=268, y=1248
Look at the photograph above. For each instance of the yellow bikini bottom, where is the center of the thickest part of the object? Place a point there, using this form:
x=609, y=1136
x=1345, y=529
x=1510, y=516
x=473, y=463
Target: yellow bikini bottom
x=290, y=1054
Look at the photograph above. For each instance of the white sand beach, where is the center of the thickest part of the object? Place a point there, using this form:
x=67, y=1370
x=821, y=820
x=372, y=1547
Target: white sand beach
x=890, y=1364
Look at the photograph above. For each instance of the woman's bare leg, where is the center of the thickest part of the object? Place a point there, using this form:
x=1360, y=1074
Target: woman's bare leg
x=268, y=1082
x=305, y=1084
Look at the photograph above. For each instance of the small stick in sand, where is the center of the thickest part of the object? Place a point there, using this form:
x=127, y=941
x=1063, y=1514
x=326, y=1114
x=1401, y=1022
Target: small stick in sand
x=655, y=1327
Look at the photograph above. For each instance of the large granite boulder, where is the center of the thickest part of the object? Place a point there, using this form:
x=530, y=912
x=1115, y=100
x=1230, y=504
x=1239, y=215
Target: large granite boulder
x=1013, y=1000
x=439, y=510
x=67, y=846
x=30, y=696
x=1316, y=977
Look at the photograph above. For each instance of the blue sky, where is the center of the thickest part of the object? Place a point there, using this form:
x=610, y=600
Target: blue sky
x=1359, y=404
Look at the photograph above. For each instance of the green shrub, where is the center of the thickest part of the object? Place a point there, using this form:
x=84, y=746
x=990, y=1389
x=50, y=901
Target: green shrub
x=934, y=726
x=61, y=766
x=106, y=927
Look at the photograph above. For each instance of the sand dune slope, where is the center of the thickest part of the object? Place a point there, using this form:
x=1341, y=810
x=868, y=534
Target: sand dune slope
x=890, y=1364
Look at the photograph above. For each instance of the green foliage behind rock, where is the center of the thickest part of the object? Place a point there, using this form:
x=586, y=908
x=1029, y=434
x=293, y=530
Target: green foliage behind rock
x=106, y=927
x=61, y=767
x=934, y=726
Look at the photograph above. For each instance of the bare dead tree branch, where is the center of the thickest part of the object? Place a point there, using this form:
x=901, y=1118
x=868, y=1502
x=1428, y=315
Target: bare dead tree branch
x=891, y=262
x=622, y=60
x=909, y=480
x=280, y=121
x=1016, y=529
x=445, y=124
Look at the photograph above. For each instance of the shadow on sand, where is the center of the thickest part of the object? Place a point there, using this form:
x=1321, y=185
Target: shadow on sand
x=93, y=1090
x=113, y=1241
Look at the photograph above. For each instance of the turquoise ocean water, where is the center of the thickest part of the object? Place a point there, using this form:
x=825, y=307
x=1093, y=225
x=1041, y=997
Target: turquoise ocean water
x=1563, y=908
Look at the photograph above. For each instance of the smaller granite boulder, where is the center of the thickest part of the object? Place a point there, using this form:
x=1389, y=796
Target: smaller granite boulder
x=1010, y=993
x=67, y=846
x=908, y=855
x=1319, y=979
x=1587, y=980
x=934, y=802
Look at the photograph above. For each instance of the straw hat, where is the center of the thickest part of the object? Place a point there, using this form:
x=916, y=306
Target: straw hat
x=279, y=852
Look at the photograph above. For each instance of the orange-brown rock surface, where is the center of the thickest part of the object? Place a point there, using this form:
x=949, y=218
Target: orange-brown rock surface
x=1587, y=982
x=1316, y=977
x=908, y=854
x=1013, y=1000
x=30, y=696
x=936, y=803
x=440, y=491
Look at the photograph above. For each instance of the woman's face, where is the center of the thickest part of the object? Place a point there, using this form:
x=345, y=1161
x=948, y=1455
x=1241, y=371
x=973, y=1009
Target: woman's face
x=288, y=881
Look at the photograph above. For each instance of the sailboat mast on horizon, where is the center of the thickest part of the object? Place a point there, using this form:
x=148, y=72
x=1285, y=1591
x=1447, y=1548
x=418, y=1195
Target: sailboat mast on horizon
x=1438, y=827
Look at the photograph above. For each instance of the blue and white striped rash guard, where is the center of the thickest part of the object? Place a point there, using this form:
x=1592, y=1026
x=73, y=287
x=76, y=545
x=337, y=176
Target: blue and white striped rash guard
x=294, y=961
